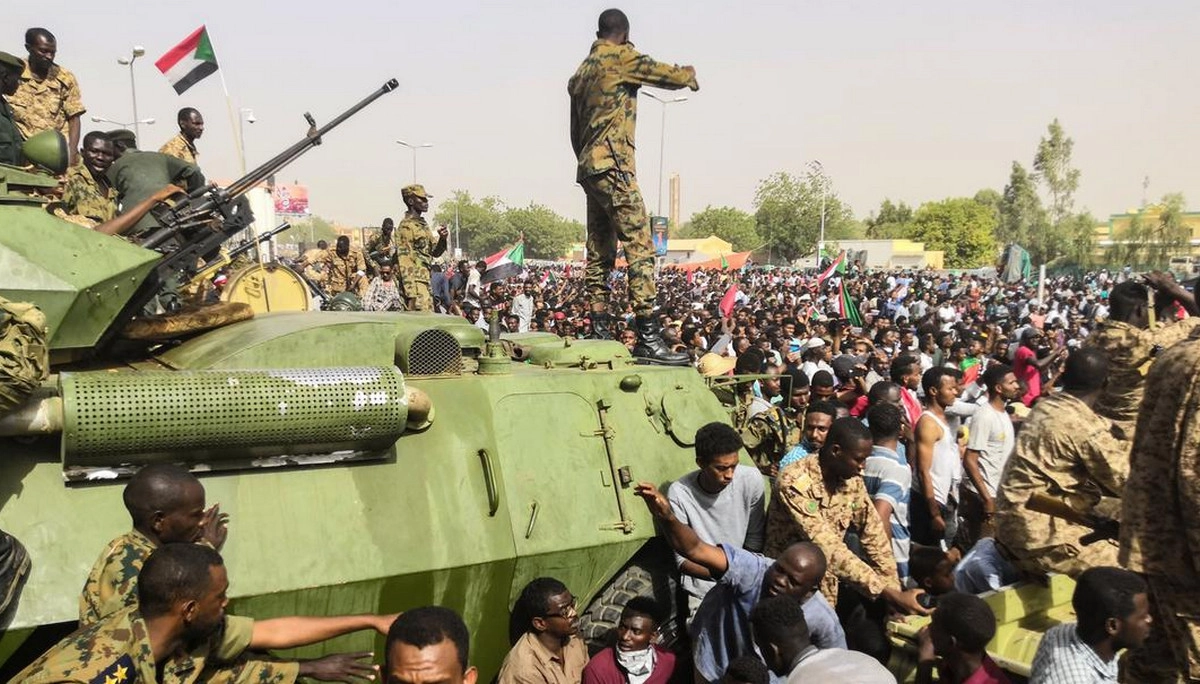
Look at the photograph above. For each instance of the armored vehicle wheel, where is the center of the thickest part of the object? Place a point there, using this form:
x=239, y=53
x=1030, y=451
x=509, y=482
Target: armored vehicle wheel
x=651, y=573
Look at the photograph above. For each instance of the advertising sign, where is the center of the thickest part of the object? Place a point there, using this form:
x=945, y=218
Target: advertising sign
x=658, y=230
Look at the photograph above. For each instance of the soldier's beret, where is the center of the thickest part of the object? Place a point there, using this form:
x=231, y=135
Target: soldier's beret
x=12, y=61
x=121, y=134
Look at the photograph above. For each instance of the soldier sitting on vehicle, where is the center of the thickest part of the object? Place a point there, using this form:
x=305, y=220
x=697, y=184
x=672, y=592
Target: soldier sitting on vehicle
x=179, y=623
x=345, y=269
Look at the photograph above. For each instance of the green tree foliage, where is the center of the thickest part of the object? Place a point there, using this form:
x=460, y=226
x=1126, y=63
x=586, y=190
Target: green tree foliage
x=1022, y=219
x=1053, y=166
x=487, y=225
x=308, y=231
x=788, y=215
x=1153, y=236
x=961, y=227
x=890, y=222
x=990, y=199
x=728, y=223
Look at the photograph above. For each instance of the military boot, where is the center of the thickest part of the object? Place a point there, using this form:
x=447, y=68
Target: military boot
x=650, y=346
x=601, y=326
x=14, y=566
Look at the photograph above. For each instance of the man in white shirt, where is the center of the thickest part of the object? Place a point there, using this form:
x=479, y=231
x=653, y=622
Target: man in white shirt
x=990, y=442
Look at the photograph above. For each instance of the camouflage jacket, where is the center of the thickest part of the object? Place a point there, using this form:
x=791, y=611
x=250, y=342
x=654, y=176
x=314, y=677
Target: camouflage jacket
x=341, y=272
x=380, y=253
x=117, y=650
x=1130, y=351
x=803, y=509
x=47, y=104
x=1161, y=501
x=1068, y=452
x=416, y=246
x=112, y=582
x=180, y=148
x=83, y=196
x=763, y=429
x=604, y=104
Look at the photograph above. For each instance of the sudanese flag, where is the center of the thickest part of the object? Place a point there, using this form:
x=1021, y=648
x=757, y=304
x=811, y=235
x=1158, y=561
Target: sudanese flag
x=190, y=62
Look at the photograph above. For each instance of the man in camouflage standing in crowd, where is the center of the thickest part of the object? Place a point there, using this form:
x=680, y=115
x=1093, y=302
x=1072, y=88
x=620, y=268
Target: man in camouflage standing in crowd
x=603, y=117
x=1160, y=508
x=381, y=248
x=416, y=250
x=87, y=192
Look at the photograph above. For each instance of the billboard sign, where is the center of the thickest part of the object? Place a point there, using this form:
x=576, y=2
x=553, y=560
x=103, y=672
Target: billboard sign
x=291, y=200
x=658, y=230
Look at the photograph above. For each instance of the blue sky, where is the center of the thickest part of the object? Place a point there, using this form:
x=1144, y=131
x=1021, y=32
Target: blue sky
x=913, y=101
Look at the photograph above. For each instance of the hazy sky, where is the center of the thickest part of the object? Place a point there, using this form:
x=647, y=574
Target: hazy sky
x=909, y=100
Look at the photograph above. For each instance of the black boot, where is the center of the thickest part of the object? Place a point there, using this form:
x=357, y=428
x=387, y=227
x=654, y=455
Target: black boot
x=651, y=348
x=600, y=326
x=14, y=567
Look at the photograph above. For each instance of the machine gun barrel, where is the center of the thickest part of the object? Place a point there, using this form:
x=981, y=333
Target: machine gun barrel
x=249, y=245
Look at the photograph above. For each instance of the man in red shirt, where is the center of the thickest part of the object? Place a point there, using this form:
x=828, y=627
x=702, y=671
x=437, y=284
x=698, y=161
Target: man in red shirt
x=635, y=659
x=1029, y=367
x=958, y=635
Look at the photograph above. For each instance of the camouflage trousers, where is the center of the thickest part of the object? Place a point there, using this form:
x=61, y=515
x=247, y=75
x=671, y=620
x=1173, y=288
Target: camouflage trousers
x=417, y=295
x=252, y=668
x=24, y=352
x=615, y=211
x=1172, y=651
x=1067, y=559
x=337, y=284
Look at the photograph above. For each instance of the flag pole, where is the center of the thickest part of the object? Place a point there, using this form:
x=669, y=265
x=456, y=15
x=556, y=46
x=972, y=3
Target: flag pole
x=233, y=122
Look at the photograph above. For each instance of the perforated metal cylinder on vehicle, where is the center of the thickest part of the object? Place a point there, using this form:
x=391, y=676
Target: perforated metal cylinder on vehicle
x=197, y=416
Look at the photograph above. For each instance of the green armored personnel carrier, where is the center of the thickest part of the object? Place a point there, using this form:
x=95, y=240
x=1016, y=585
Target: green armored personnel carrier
x=369, y=462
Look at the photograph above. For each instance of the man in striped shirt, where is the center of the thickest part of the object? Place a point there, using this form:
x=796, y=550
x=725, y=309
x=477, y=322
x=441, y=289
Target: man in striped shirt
x=889, y=480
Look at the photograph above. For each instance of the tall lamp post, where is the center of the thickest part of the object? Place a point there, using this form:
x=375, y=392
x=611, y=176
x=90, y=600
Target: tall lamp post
x=134, y=53
x=816, y=169
x=662, y=142
x=123, y=124
x=414, y=149
x=245, y=116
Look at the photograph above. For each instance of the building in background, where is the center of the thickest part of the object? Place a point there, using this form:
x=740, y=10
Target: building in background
x=888, y=254
x=684, y=250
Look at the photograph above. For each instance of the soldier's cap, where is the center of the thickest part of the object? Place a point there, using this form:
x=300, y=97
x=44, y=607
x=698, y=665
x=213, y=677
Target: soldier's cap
x=121, y=134
x=414, y=191
x=715, y=365
x=12, y=61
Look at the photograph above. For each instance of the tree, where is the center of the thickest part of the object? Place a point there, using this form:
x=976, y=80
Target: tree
x=990, y=199
x=1021, y=217
x=961, y=227
x=482, y=226
x=547, y=235
x=1053, y=166
x=728, y=223
x=891, y=221
x=788, y=214
x=309, y=230
x=1153, y=236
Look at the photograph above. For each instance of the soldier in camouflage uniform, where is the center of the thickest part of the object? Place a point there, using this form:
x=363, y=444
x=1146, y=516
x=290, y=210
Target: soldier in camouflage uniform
x=87, y=192
x=11, y=68
x=1130, y=343
x=1160, y=535
x=1067, y=451
x=416, y=249
x=183, y=145
x=760, y=424
x=820, y=499
x=381, y=248
x=345, y=269
x=204, y=645
x=603, y=117
x=48, y=97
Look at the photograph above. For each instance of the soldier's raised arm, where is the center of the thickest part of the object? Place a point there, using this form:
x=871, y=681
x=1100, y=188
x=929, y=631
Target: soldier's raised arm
x=642, y=69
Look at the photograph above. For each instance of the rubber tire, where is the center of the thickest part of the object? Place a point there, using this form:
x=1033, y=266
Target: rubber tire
x=650, y=573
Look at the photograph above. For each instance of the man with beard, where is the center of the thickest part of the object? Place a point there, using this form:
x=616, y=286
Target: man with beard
x=720, y=631
x=183, y=145
x=635, y=659
x=87, y=192
x=545, y=635
x=179, y=629
x=48, y=97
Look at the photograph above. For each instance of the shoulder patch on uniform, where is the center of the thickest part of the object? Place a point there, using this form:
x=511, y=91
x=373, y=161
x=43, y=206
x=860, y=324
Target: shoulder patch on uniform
x=120, y=672
x=811, y=507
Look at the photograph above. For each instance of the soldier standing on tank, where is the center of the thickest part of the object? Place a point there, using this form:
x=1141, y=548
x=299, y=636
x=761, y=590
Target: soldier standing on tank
x=381, y=248
x=416, y=250
x=1161, y=499
x=183, y=145
x=11, y=67
x=87, y=192
x=603, y=117
x=345, y=269
x=48, y=98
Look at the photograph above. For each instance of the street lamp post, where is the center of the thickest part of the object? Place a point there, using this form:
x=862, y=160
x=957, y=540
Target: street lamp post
x=662, y=141
x=136, y=52
x=414, y=149
x=245, y=116
x=817, y=169
x=123, y=124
